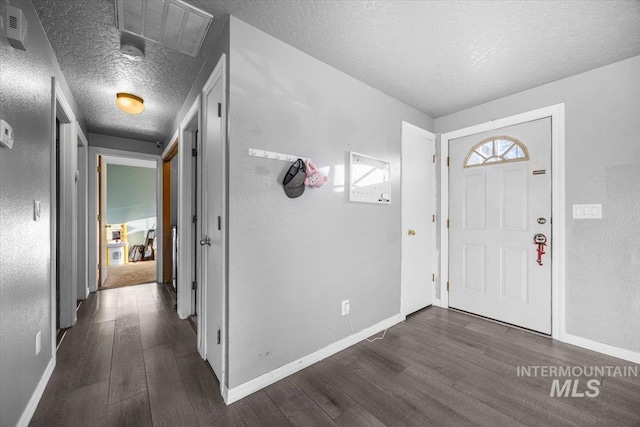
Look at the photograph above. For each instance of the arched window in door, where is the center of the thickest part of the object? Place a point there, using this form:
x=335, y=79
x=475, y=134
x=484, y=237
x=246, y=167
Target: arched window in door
x=496, y=149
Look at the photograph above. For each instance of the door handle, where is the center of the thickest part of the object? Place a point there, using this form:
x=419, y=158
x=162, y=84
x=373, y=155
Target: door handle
x=411, y=232
x=205, y=241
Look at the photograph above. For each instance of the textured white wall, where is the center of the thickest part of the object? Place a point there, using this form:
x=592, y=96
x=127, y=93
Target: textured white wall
x=25, y=176
x=602, y=116
x=292, y=261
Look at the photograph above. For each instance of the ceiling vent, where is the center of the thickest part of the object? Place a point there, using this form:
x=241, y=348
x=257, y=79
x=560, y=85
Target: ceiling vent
x=172, y=23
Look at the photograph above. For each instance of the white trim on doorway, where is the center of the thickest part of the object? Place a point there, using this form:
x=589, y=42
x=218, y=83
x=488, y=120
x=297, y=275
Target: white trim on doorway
x=556, y=112
x=218, y=75
x=82, y=191
x=61, y=110
x=185, y=137
x=94, y=152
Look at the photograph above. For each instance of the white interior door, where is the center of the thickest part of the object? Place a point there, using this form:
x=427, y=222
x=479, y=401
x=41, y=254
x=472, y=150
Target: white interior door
x=500, y=197
x=213, y=244
x=418, y=227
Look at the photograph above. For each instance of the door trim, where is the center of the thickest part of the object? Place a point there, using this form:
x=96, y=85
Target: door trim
x=406, y=128
x=556, y=113
x=82, y=203
x=219, y=73
x=94, y=152
x=167, y=266
x=185, y=195
x=61, y=108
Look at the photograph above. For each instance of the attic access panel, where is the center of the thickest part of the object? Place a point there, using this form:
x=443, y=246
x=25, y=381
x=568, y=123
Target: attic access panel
x=172, y=23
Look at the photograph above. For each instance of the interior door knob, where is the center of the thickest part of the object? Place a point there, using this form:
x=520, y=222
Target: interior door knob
x=411, y=232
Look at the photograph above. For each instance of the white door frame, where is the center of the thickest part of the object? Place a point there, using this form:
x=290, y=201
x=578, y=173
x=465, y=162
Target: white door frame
x=68, y=222
x=408, y=127
x=185, y=240
x=82, y=189
x=219, y=74
x=94, y=152
x=556, y=112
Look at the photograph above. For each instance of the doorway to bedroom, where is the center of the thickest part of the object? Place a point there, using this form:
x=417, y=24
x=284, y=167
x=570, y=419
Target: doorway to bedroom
x=127, y=221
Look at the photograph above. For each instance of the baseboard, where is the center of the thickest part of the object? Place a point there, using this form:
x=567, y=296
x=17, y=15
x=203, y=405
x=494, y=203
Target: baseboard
x=25, y=419
x=607, y=349
x=244, y=390
x=437, y=302
x=225, y=394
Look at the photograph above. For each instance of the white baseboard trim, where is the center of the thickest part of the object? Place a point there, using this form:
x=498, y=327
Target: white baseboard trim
x=25, y=419
x=243, y=390
x=607, y=349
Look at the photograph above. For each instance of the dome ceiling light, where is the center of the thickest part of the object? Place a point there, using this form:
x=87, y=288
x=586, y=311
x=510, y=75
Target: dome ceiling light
x=129, y=103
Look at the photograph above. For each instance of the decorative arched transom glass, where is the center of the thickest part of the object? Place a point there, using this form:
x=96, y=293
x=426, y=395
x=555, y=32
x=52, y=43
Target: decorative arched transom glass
x=496, y=149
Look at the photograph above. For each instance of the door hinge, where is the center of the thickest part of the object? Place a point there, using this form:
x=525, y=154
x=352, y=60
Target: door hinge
x=194, y=152
x=219, y=336
x=434, y=158
x=447, y=286
x=194, y=219
x=219, y=109
x=194, y=285
x=98, y=218
x=98, y=266
x=433, y=218
x=447, y=160
x=447, y=223
x=433, y=277
x=98, y=170
x=219, y=223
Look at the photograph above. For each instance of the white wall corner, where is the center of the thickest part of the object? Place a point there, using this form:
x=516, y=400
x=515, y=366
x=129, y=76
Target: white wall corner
x=25, y=419
x=243, y=390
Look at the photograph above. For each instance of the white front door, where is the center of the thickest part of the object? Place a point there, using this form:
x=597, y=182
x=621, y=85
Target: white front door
x=418, y=226
x=500, y=198
x=212, y=217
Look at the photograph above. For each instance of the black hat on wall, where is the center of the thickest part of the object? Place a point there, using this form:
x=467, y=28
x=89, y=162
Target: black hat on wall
x=293, y=182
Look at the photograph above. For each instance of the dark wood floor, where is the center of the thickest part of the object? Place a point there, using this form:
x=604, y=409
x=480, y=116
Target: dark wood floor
x=130, y=361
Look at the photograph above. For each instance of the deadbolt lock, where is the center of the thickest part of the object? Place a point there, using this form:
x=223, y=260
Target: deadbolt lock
x=542, y=220
x=411, y=232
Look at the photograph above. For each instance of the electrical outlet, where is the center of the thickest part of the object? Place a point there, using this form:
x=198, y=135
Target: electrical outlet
x=38, y=342
x=345, y=307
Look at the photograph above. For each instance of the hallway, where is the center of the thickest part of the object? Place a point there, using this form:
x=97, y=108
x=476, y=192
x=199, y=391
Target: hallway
x=130, y=361
x=128, y=358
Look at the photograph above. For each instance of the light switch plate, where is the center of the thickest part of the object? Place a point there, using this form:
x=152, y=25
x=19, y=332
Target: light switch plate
x=591, y=211
x=38, y=342
x=36, y=210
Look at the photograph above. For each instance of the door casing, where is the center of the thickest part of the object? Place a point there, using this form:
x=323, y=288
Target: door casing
x=556, y=112
x=218, y=76
x=61, y=110
x=93, y=253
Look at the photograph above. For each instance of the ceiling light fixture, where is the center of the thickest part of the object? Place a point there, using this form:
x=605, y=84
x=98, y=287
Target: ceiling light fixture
x=132, y=51
x=129, y=103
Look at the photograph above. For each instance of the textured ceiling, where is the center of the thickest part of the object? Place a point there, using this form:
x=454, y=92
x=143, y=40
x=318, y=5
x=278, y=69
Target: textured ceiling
x=86, y=41
x=437, y=56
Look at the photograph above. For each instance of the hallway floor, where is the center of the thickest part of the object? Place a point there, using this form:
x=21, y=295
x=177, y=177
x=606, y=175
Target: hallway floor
x=130, y=361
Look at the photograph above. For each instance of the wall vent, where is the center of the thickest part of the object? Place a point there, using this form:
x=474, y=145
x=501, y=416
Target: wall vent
x=16, y=25
x=172, y=23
